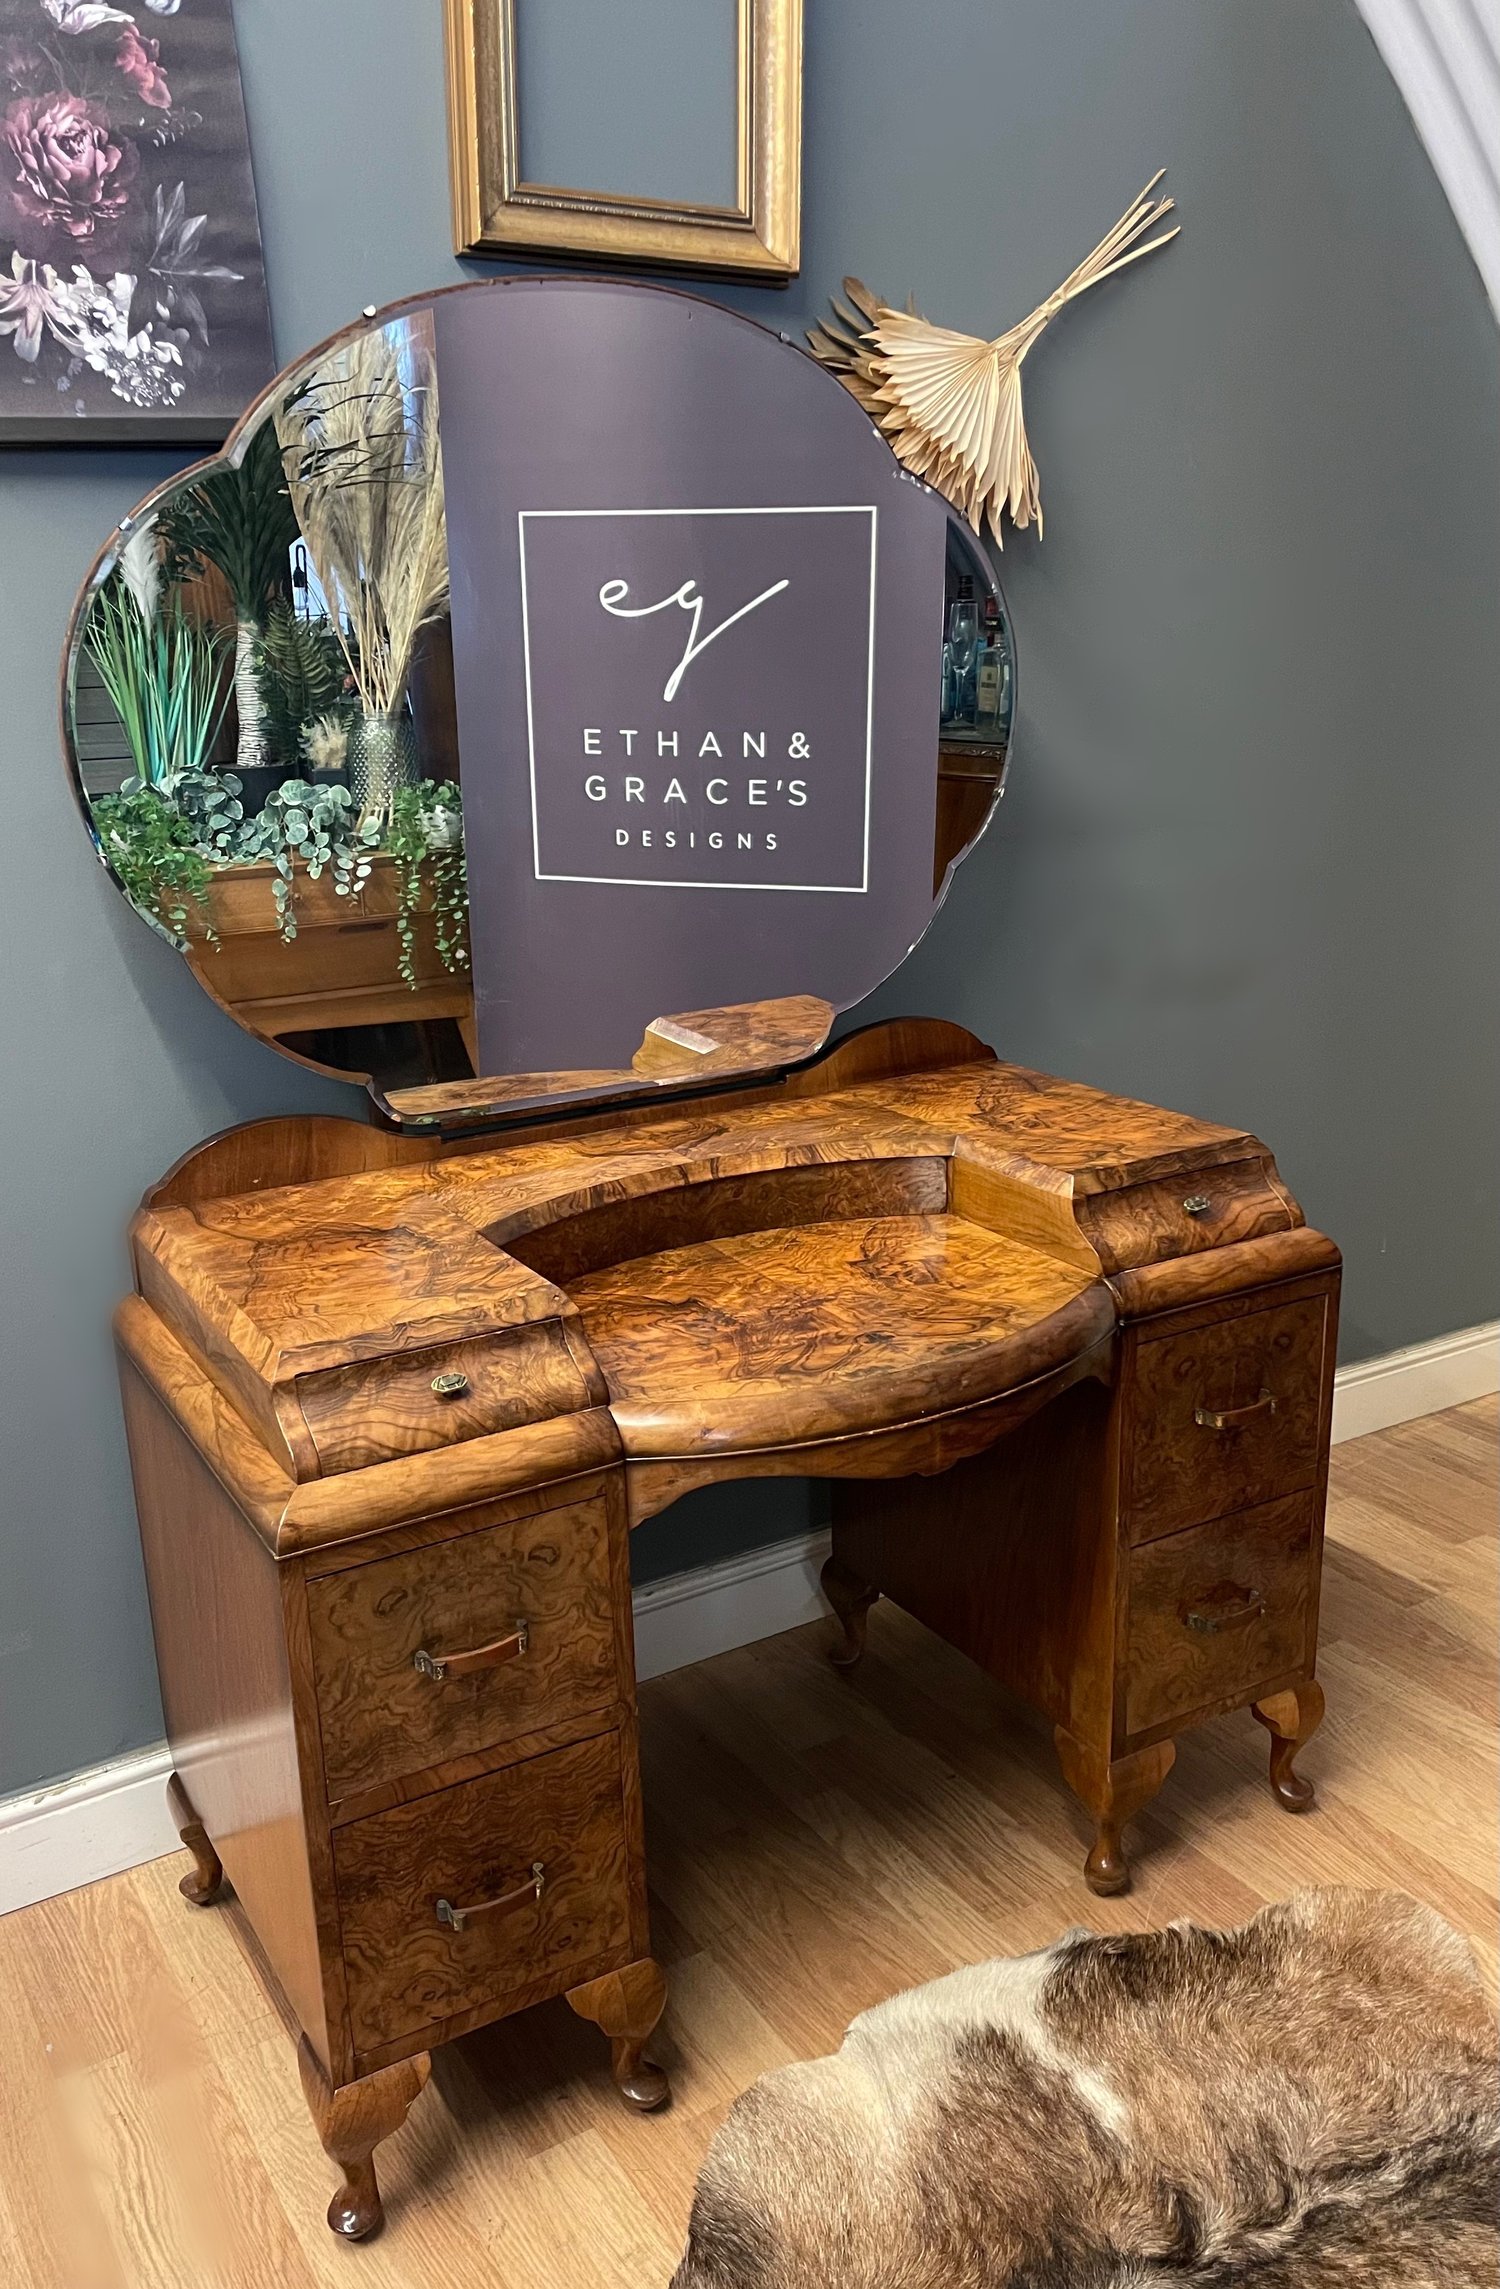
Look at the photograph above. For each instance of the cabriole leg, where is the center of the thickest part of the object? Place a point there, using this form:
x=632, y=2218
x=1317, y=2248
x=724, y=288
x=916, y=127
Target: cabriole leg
x=351, y=2123
x=204, y=1884
x=1291, y=1718
x=626, y=2005
x=1114, y=1793
x=851, y=1599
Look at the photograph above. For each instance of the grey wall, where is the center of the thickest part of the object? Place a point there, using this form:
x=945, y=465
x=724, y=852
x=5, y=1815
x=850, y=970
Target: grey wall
x=1245, y=866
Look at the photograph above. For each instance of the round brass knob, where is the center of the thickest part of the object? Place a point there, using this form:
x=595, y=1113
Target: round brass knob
x=1197, y=1204
x=450, y=1386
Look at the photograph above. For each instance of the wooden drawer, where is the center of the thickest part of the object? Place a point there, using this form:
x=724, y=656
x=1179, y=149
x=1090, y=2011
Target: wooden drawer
x=382, y=1717
x=412, y=1401
x=1226, y=1416
x=1180, y=1216
x=407, y=1970
x=1219, y=1611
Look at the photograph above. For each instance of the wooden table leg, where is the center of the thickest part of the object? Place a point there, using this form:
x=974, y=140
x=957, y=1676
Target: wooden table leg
x=206, y=1880
x=625, y=2005
x=1291, y=1718
x=351, y=2123
x=1114, y=1793
x=851, y=1599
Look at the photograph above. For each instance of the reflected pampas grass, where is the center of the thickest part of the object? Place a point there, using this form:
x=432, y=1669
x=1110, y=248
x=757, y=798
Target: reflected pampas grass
x=359, y=443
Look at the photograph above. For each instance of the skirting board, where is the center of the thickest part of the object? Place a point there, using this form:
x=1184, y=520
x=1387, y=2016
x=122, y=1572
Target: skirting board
x=96, y=1824
x=1374, y=1394
x=102, y=1822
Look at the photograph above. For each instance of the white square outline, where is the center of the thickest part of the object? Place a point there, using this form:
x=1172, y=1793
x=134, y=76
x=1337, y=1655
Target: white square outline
x=649, y=882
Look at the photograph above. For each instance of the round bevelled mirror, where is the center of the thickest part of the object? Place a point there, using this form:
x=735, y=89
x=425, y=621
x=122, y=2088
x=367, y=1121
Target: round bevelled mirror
x=266, y=723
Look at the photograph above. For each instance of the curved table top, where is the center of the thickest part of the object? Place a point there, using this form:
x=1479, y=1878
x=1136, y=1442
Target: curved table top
x=885, y=1259
x=817, y=1331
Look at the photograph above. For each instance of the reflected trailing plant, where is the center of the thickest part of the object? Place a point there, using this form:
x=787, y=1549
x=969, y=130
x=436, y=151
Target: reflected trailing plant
x=153, y=849
x=425, y=837
x=165, y=842
x=320, y=826
x=210, y=803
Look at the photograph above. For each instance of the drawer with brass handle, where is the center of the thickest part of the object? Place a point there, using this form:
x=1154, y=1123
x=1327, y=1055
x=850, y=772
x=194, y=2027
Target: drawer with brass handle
x=460, y=1918
x=464, y=1645
x=1181, y=1216
x=1225, y=1606
x=1225, y=1416
x=441, y=1666
x=460, y=1901
x=1219, y=1610
x=371, y=1410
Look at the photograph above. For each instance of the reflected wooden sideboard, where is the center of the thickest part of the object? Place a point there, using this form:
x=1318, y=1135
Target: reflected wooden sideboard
x=395, y=1403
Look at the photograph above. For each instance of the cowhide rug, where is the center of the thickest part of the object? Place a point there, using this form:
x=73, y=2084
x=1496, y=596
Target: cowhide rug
x=1309, y=2102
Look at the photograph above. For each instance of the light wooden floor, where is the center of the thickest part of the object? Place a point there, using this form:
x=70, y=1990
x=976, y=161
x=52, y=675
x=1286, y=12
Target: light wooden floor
x=815, y=1844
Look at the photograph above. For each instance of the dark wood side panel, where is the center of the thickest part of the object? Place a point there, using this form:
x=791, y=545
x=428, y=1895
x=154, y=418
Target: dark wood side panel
x=216, y=1611
x=1010, y=1556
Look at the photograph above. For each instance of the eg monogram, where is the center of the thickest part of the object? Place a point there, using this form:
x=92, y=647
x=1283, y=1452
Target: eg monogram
x=687, y=599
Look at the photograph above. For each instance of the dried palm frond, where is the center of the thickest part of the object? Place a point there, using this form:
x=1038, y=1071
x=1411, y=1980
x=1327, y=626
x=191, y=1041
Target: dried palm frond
x=359, y=442
x=950, y=403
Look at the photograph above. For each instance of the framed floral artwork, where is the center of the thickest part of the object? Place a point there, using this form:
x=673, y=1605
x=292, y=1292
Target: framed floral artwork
x=132, y=288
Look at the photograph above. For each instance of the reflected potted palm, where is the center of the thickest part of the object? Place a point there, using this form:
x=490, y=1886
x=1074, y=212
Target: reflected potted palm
x=240, y=522
x=359, y=445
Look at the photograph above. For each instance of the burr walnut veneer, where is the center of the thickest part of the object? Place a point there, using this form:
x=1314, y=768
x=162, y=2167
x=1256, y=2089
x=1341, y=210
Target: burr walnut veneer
x=394, y=1404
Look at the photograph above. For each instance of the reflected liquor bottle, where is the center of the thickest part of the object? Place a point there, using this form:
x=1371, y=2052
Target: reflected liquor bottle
x=992, y=676
x=963, y=643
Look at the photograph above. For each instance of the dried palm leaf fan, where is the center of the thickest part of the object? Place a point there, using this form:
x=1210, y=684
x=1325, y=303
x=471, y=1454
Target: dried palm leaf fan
x=951, y=404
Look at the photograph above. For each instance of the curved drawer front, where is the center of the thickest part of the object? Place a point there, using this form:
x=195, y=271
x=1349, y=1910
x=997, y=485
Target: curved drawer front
x=407, y=1970
x=409, y=1402
x=383, y=1715
x=1225, y=1416
x=1214, y=1208
x=1219, y=1611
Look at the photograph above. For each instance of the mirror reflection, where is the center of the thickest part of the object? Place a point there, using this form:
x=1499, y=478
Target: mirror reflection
x=263, y=730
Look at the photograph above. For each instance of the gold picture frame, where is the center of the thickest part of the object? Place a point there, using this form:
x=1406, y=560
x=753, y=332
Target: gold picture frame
x=496, y=212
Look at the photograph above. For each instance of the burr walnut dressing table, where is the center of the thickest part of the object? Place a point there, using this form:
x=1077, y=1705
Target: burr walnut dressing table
x=398, y=1389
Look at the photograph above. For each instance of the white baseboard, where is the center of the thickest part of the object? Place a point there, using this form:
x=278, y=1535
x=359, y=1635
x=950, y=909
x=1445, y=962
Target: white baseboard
x=96, y=1824
x=1422, y=1380
x=112, y=1818
x=688, y=1617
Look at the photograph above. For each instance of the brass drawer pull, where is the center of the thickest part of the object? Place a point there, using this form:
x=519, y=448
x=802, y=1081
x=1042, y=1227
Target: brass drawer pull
x=1230, y=1418
x=1226, y=1606
x=453, y=1385
x=1197, y=1204
x=459, y=1918
x=437, y=1666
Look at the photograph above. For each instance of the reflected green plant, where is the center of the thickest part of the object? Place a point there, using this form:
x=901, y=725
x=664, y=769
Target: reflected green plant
x=414, y=840
x=163, y=670
x=320, y=826
x=154, y=851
